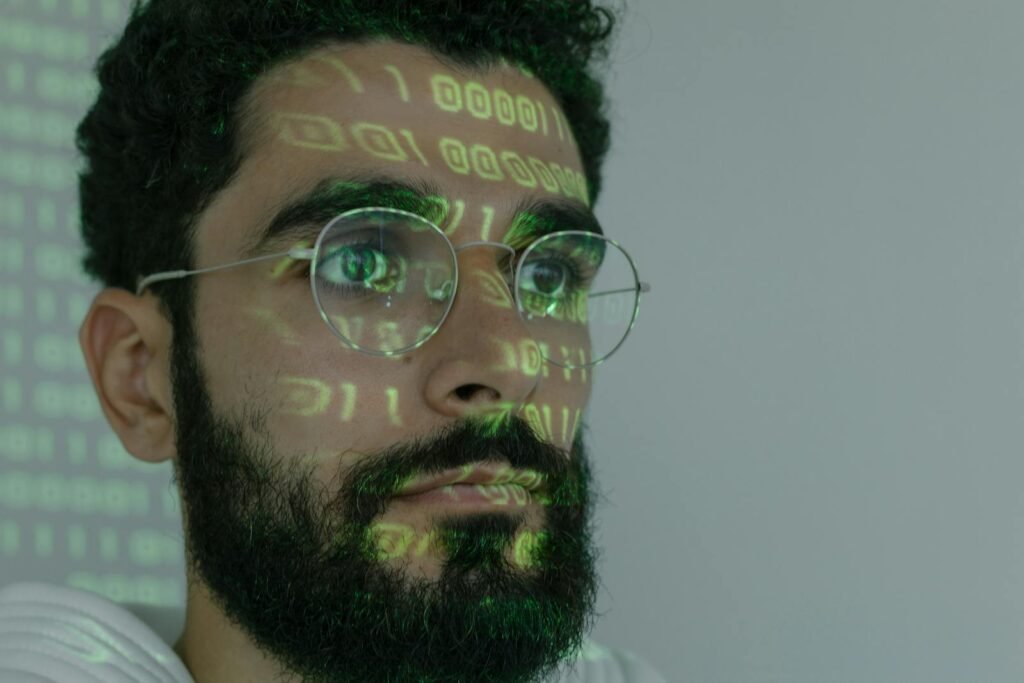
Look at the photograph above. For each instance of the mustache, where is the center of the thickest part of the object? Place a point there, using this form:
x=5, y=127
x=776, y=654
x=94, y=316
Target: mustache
x=473, y=440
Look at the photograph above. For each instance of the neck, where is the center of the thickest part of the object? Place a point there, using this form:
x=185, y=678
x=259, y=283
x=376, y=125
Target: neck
x=216, y=651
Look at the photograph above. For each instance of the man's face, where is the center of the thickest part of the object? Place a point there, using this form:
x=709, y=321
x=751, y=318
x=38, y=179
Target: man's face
x=292, y=445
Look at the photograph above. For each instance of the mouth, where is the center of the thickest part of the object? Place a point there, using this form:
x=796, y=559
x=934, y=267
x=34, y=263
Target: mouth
x=484, y=485
x=473, y=495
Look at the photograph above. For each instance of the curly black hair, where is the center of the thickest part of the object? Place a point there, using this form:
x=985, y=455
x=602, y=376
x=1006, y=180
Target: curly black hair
x=162, y=138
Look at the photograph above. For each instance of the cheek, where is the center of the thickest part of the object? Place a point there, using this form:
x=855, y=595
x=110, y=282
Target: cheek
x=232, y=347
x=275, y=351
x=330, y=398
x=556, y=408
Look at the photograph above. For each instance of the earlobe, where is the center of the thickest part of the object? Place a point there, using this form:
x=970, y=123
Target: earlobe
x=123, y=340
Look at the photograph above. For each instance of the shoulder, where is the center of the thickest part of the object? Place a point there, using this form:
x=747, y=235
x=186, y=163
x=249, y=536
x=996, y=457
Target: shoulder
x=56, y=634
x=597, y=663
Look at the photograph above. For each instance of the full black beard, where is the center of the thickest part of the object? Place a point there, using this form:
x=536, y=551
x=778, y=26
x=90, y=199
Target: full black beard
x=289, y=563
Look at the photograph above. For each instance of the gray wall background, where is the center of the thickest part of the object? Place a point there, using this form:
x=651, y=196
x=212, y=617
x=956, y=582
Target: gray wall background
x=811, y=442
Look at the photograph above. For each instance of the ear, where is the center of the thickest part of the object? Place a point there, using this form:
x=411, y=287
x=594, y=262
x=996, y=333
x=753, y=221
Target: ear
x=126, y=342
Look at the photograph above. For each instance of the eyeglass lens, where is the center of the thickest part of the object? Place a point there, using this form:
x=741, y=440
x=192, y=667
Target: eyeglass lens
x=385, y=281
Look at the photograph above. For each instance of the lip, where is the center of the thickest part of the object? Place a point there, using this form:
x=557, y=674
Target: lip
x=483, y=475
x=473, y=496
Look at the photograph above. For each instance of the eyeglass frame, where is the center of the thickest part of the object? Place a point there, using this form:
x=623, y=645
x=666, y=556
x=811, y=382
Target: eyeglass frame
x=309, y=254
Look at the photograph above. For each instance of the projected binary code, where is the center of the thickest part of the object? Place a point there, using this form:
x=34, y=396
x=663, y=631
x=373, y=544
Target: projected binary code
x=75, y=508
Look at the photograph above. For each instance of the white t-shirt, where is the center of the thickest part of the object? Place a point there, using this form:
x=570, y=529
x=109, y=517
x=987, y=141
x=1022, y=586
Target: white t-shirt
x=56, y=634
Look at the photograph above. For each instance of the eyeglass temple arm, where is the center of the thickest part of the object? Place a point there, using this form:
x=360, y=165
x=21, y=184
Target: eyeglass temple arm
x=298, y=253
x=644, y=287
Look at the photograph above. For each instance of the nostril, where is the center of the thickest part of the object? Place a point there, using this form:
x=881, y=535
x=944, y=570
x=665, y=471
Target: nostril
x=467, y=392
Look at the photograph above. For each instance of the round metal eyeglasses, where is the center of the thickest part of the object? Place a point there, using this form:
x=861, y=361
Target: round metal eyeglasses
x=384, y=281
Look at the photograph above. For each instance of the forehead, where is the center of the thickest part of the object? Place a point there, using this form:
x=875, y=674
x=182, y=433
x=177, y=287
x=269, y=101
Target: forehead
x=487, y=138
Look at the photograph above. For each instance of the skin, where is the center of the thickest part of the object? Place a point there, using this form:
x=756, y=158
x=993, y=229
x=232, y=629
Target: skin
x=272, y=499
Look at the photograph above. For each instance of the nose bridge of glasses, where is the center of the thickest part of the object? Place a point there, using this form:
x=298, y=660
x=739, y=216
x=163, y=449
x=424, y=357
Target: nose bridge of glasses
x=498, y=245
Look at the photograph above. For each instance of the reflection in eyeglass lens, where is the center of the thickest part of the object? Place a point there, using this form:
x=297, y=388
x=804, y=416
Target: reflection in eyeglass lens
x=576, y=292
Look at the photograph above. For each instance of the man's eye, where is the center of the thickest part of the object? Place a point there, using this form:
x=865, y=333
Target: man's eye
x=355, y=264
x=546, y=278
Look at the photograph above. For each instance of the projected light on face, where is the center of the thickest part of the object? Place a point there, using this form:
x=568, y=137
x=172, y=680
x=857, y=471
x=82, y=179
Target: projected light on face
x=320, y=575
x=438, y=334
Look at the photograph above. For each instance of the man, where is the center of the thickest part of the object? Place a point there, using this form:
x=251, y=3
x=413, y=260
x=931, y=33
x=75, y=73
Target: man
x=356, y=293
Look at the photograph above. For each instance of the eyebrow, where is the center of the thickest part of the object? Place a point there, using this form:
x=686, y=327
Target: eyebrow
x=304, y=217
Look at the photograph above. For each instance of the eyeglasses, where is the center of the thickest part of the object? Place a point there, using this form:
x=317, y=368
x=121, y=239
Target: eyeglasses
x=384, y=281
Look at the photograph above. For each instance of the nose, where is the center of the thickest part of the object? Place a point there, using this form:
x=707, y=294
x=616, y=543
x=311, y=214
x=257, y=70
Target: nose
x=471, y=372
